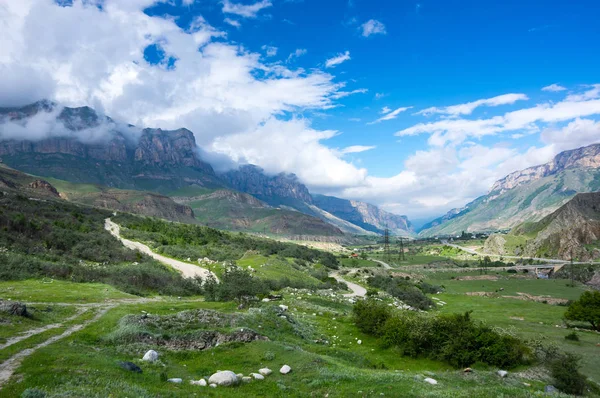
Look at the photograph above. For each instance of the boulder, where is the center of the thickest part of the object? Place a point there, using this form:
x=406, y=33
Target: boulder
x=246, y=379
x=502, y=373
x=258, y=376
x=551, y=390
x=130, y=366
x=213, y=385
x=265, y=371
x=224, y=378
x=13, y=308
x=430, y=381
x=283, y=307
x=200, y=382
x=285, y=369
x=175, y=380
x=150, y=356
x=468, y=370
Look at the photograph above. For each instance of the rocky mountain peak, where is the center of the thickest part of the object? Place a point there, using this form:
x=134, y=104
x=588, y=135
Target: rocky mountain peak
x=586, y=157
x=252, y=179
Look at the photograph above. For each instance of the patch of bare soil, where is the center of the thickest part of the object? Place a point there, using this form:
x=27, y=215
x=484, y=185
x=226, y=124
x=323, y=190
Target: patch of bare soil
x=538, y=299
x=481, y=294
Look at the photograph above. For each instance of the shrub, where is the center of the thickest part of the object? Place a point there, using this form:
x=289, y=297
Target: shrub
x=33, y=393
x=572, y=336
x=236, y=284
x=370, y=316
x=565, y=372
x=403, y=290
x=586, y=309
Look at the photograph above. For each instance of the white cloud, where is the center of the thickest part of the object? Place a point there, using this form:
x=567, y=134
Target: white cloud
x=270, y=50
x=243, y=10
x=372, y=27
x=342, y=94
x=468, y=108
x=593, y=92
x=233, y=22
x=385, y=110
x=390, y=115
x=554, y=88
x=338, y=59
x=296, y=54
x=356, y=149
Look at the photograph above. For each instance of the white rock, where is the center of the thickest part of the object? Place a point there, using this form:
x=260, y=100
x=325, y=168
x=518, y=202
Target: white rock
x=246, y=379
x=213, y=385
x=175, y=380
x=285, y=369
x=265, y=300
x=258, y=376
x=265, y=371
x=224, y=378
x=200, y=382
x=502, y=373
x=283, y=307
x=430, y=381
x=150, y=356
x=359, y=342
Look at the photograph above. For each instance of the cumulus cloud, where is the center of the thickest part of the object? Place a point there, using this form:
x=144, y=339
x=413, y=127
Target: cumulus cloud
x=554, y=88
x=338, y=59
x=372, y=27
x=232, y=22
x=243, y=10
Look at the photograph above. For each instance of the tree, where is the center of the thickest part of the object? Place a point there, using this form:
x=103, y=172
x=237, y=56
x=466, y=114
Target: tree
x=586, y=309
x=364, y=255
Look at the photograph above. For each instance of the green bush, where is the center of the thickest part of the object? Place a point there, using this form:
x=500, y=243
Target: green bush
x=370, y=316
x=404, y=290
x=565, y=372
x=235, y=284
x=572, y=336
x=33, y=393
x=455, y=338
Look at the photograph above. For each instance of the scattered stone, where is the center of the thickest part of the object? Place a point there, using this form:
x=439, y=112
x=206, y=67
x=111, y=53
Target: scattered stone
x=526, y=384
x=132, y=367
x=239, y=375
x=430, y=381
x=175, y=380
x=283, y=307
x=502, y=373
x=265, y=371
x=13, y=308
x=265, y=300
x=359, y=342
x=551, y=390
x=258, y=376
x=223, y=378
x=468, y=370
x=213, y=385
x=285, y=369
x=246, y=379
x=200, y=382
x=150, y=356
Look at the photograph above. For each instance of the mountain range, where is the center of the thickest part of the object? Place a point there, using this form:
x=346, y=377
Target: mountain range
x=525, y=196
x=112, y=164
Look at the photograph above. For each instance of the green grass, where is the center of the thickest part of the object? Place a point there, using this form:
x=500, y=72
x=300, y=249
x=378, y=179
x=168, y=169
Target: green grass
x=56, y=291
x=556, y=288
x=357, y=263
x=273, y=268
x=40, y=315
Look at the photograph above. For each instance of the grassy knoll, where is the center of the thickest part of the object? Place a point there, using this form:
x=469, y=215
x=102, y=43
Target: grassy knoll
x=39, y=316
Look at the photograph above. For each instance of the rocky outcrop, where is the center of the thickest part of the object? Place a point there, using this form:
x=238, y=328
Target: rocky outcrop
x=252, y=180
x=45, y=186
x=364, y=215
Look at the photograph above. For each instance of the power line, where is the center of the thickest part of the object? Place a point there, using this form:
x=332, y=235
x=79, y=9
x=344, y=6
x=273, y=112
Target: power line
x=401, y=256
x=386, y=244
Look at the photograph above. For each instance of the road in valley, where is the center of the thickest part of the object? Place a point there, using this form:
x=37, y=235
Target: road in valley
x=357, y=290
x=187, y=269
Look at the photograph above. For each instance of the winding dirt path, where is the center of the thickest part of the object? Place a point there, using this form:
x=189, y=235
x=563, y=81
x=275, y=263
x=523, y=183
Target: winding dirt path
x=384, y=265
x=188, y=270
x=357, y=290
x=8, y=367
x=27, y=334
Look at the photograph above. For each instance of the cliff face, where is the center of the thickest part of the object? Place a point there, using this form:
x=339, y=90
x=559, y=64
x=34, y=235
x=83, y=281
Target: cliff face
x=586, y=157
x=82, y=146
x=527, y=195
x=364, y=215
x=252, y=180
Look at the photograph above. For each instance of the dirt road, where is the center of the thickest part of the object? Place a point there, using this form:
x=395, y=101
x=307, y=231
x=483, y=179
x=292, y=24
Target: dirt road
x=188, y=270
x=357, y=290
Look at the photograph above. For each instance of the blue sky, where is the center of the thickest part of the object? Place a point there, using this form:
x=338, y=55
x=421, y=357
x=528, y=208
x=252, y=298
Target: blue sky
x=330, y=90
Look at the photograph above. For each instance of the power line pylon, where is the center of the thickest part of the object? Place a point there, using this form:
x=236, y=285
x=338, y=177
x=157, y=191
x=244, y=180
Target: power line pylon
x=386, y=244
x=401, y=256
